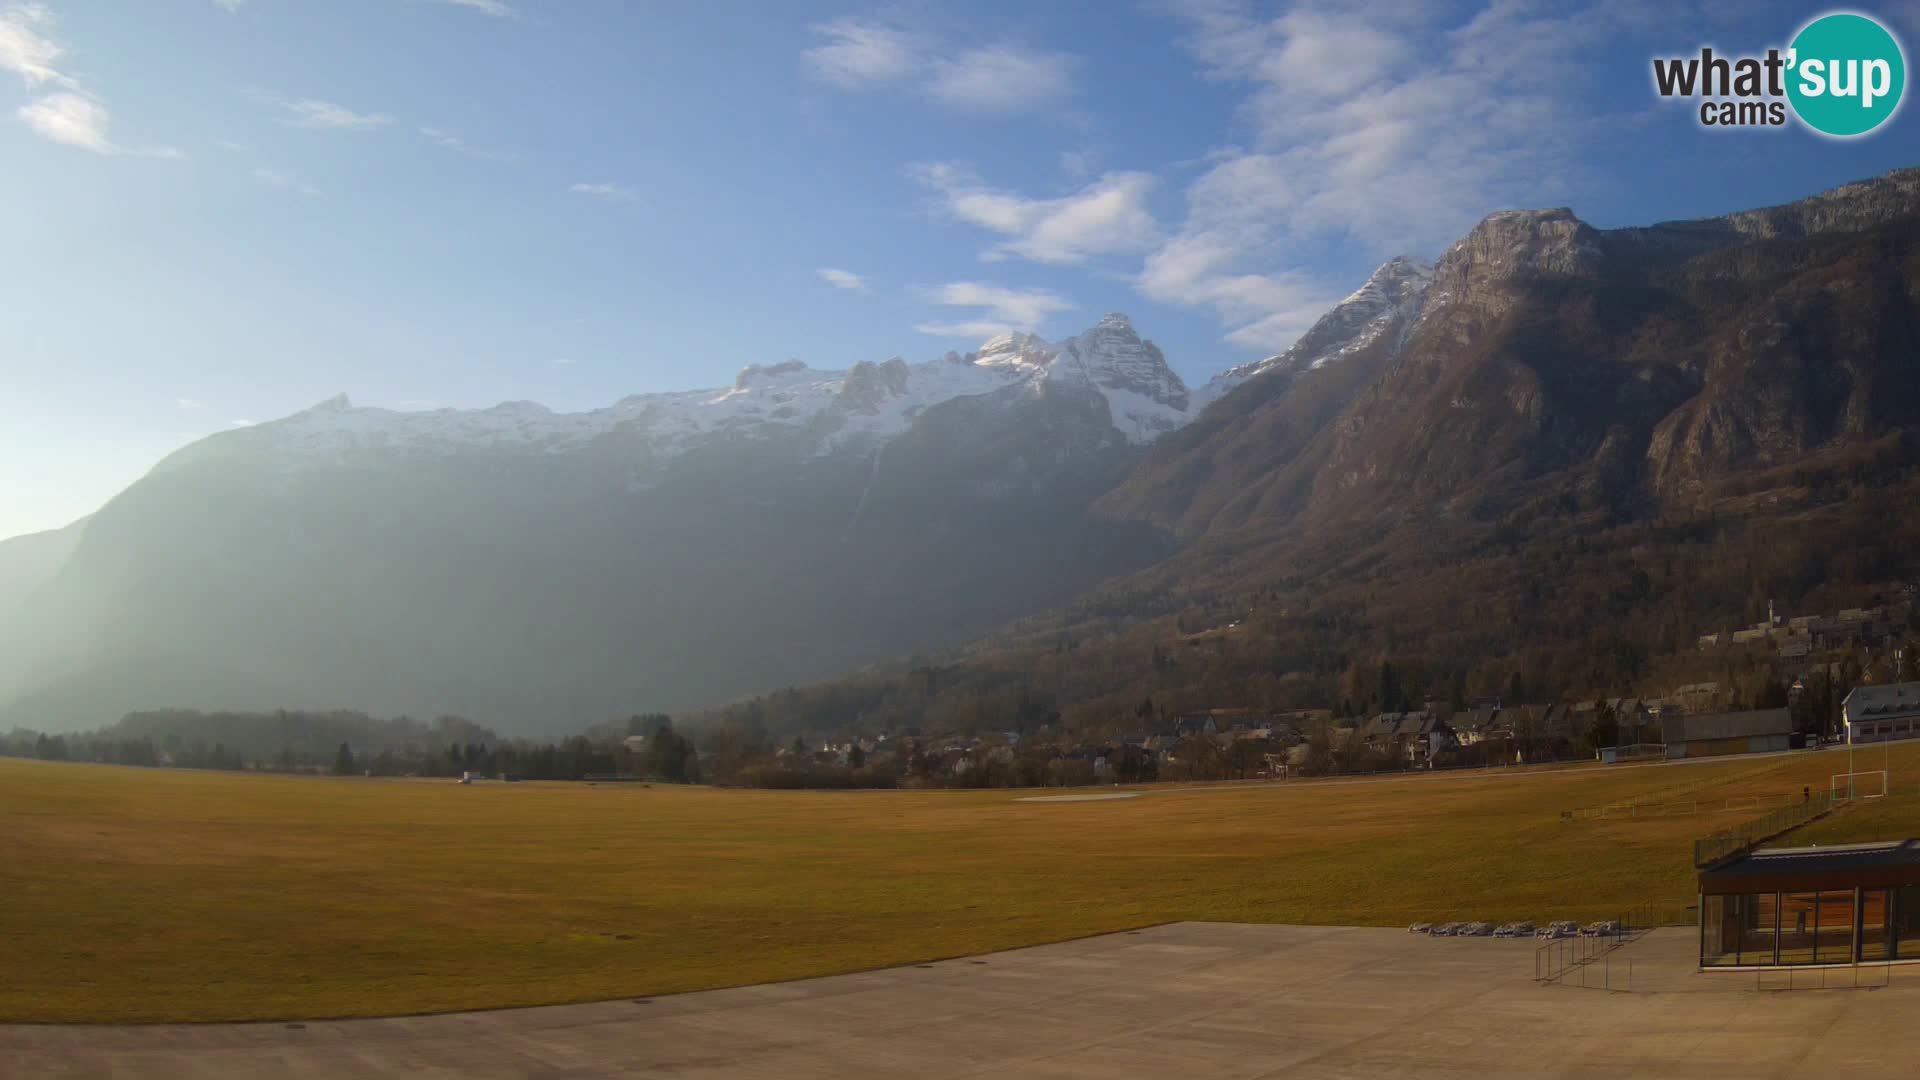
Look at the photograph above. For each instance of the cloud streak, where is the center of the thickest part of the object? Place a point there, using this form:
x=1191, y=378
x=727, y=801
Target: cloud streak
x=71, y=115
x=1362, y=136
x=1107, y=217
x=859, y=53
x=447, y=140
x=842, y=279
x=27, y=50
x=1001, y=310
x=603, y=190
x=866, y=54
x=1003, y=78
x=318, y=115
x=498, y=9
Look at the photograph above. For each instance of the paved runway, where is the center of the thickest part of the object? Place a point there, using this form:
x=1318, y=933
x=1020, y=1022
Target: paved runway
x=1187, y=1000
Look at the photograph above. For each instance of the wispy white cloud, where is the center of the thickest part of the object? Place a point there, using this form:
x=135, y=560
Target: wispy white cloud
x=70, y=118
x=1360, y=137
x=189, y=403
x=285, y=181
x=26, y=47
x=80, y=120
x=229, y=145
x=447, y=140
x=240, y=423
x=1003, y=77
x=562, y=361
x=230, y=5
x=328, y=116
x=71, y=115
x=1002, y=310
x=842, y=279
x=603, y=190
x=499, y=9
x=863, y=52
x=1107, y=217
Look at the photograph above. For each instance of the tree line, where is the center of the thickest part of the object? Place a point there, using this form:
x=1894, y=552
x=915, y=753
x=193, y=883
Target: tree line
x=352, y=743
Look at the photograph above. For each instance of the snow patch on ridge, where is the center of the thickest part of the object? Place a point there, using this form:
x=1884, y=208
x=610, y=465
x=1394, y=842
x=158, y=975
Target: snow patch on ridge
x=1393, y=297
x=863, y=406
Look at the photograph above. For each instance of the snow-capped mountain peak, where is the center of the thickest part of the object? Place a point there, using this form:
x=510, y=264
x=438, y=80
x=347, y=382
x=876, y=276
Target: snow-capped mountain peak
x=869, y=403
x=1145, y=397
x=1390, y=301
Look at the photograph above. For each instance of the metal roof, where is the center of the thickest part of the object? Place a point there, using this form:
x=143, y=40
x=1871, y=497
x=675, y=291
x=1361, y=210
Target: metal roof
x=1894, y=862
x=1894, y=699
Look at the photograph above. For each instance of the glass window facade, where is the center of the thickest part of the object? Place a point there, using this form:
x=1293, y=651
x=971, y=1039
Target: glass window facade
x=1876, y=924
x=1906, y=922
x=1826, y=927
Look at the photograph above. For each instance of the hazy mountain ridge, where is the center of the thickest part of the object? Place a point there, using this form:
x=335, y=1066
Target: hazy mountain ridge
x=541, y=570
x=534, y=570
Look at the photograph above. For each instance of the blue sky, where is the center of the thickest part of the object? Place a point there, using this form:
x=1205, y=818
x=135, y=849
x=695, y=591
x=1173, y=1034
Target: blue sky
x=222, y=211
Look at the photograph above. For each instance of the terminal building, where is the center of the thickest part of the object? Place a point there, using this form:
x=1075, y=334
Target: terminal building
x=1844, y=904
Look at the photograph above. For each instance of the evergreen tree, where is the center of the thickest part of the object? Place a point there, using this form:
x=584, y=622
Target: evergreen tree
x=343, y=761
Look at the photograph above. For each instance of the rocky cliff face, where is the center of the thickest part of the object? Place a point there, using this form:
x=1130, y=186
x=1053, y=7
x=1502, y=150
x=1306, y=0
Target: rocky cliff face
x=1258, y=417
x=1626, y=367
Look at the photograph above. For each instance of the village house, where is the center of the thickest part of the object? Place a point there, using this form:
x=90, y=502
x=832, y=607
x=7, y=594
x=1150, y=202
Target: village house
x=1195, y=724
x=1417, y=736
x=1480, y=724
x=1882, y=713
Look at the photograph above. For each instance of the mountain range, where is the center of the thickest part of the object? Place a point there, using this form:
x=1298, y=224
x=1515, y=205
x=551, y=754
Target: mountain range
x=537, y=571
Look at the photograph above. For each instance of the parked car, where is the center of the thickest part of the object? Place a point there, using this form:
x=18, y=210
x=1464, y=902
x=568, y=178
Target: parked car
x=1559, y=928
x=1603, y=928
x=1513, y=930
x=1476, y=929
x=1420, y=928
x=1446, y=929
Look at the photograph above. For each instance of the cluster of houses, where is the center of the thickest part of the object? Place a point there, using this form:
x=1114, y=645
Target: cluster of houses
x=1802, y=636
x=1683, y=724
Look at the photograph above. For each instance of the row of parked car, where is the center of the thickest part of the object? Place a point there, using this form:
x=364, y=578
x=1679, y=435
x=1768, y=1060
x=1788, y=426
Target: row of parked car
x=1559, y=928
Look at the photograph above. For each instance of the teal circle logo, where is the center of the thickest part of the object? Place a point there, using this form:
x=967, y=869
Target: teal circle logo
x=1845, y=74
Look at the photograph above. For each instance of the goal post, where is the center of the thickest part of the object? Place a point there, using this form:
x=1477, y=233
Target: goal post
x=1871, y=784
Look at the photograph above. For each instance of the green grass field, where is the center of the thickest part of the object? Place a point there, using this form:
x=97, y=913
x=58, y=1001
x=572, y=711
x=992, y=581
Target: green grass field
x=161, y=895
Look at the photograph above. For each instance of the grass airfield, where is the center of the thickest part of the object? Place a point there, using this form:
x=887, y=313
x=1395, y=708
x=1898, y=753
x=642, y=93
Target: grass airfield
x=152, y=895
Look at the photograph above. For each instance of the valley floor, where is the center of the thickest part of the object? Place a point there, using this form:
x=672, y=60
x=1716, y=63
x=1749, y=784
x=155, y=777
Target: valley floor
x=154, y=895
x=1188, y=999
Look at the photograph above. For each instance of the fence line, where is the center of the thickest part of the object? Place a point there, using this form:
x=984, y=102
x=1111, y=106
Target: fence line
x=1557, y=959
x=1711, y=849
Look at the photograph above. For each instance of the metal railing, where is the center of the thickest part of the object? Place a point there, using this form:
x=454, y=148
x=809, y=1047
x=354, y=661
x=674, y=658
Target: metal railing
x=1711, y=849
x=1556, y=961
